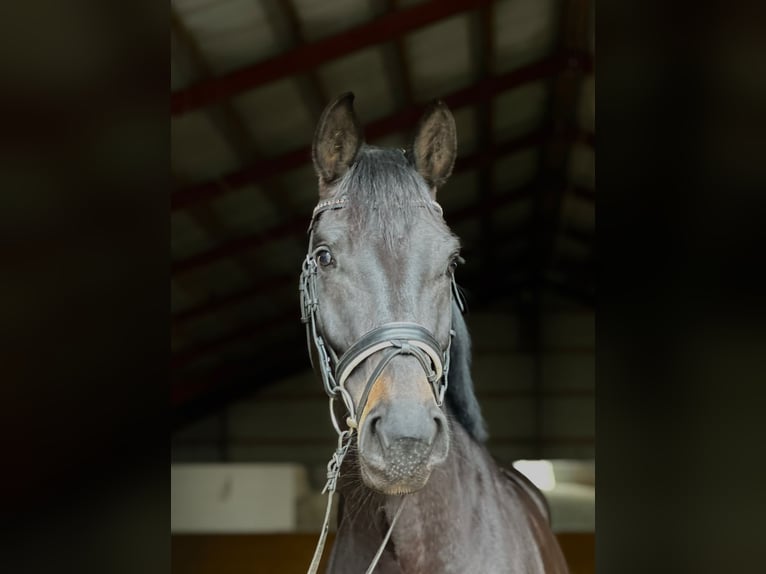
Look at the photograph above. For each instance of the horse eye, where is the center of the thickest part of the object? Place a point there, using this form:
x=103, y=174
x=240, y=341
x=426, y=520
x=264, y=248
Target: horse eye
x=324, y=257
x=454, y=261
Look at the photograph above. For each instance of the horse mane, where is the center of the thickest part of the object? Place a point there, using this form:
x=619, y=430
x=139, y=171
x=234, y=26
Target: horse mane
x=460, y=394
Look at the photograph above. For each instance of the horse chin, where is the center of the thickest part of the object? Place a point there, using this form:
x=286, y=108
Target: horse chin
x=389, y=480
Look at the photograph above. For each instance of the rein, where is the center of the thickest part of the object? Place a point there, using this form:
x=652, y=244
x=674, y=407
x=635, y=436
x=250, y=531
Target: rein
x=390, y=339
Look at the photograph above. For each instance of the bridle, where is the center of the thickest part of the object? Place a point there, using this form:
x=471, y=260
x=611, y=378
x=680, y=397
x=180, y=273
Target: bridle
x=389, y=339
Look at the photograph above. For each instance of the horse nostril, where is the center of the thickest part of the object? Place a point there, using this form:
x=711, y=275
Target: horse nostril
x=378, y=431
x=374, y=424
x=438, y=431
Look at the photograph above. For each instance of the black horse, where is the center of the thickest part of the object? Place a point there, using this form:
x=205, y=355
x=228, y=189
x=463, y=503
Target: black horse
x=381, y=302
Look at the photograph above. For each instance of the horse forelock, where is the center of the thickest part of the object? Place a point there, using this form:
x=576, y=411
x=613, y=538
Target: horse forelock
x=385, y=194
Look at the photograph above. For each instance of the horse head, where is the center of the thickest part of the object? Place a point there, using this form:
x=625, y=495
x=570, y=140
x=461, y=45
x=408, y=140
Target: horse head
x=383, y=263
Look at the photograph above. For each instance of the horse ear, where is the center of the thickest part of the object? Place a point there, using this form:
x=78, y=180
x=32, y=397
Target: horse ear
x=435, y=145
x=337, y=140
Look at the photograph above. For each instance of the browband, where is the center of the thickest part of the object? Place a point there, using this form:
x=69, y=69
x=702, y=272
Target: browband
x=338, y=203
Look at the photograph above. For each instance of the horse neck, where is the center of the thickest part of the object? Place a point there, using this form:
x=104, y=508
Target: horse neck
x=432, y=519
x=429, y=526
x=469, y=517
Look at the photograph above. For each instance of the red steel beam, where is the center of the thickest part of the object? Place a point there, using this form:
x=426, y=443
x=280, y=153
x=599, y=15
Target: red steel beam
x=219, y=302
x=310, y=56
x=481, y=91
x=184, y=390
x=248, y=331
x=231, y=247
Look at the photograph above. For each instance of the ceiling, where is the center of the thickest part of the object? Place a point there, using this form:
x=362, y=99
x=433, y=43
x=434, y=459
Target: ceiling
x=249, y=80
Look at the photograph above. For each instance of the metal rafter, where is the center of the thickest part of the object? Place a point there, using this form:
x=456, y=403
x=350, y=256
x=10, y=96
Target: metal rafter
x=561, y=107
x=479, y=92
x=396, y=62
x=484, y=46
x=226, y=121
x=216, y=303
x=229, y=124
x=311, y=56
x=285, y=18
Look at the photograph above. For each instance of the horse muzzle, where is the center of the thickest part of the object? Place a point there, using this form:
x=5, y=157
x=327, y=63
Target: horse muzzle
x=400, y=444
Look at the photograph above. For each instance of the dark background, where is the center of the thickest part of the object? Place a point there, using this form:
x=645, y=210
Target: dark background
x=86, y=313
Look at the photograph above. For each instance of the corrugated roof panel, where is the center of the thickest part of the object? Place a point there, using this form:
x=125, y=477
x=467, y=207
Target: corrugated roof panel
x=461, y=190
x=263, y=307
x=178, y=78
x=519, y=112
x=197, y=150
x=512, y=250
x=302, y=185
x=363, y=73
x=581, y=166
x=440, y=58
x=524, y=32
x=330, y=17
x=465, y=124
x=468, y=231
x=209, y=327
x=213, y=325
x=181, y=72
x=515, y=170
x=231, y=33
x=284, y=256
x=202, y=366
x=222, y=276
x=277, y=117
x=395, y=140
x=186, y=237
x=260, y=347
x=245, y=210
x=513, y=215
